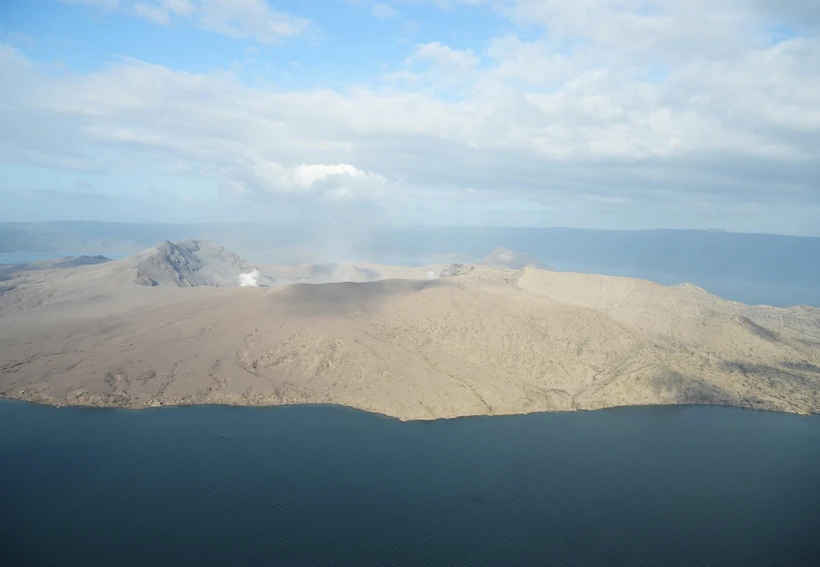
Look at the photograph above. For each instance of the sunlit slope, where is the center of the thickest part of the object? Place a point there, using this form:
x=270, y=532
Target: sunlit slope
x=489, y=342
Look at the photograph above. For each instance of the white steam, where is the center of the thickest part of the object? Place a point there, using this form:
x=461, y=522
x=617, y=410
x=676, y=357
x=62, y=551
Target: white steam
x=250, y=279
x=431, y=275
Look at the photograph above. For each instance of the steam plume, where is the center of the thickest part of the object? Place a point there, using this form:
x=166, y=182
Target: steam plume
x=250, y=279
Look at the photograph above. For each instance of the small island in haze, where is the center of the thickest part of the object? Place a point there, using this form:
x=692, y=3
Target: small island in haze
x=193, y=323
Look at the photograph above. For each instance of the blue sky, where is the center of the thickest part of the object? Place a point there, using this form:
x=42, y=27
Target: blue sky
x=594, y=113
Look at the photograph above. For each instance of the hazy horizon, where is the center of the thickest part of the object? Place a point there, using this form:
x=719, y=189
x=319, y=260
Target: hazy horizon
x=402, y=225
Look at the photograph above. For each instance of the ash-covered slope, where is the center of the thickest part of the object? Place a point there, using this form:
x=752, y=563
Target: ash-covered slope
x=505, y=258
x=194, y=263
x=487, y=341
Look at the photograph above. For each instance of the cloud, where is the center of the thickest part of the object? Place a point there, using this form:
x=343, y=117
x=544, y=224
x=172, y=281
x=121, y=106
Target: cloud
x=164, y=11
x=250, y=19
x=675, y=113
x=180, y=7
x=253, y=20
x=256, y=173
x=152, y=13
x=439, y=68
x=444, y=56
x=409, y=27
x=383, y=11
x=17, y=38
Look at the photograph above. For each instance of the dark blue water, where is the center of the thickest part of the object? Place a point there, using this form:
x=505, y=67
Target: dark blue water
x=331, y=486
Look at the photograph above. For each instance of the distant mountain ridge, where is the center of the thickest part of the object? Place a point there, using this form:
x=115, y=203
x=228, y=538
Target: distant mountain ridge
x=194, y=263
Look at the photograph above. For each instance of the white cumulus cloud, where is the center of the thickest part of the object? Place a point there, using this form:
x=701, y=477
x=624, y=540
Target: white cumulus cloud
x=336, y=181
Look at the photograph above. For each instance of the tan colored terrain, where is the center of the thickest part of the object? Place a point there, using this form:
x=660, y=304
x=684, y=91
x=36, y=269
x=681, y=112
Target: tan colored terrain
x=492, y=341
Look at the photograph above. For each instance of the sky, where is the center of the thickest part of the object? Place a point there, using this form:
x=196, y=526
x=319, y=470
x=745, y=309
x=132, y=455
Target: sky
x=621, y=114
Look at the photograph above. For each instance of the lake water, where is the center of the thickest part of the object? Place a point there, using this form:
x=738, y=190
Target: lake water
x=323, y=485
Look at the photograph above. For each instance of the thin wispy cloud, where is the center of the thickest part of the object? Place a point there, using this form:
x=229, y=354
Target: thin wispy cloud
x=164, y=11
x=383, y=11
x=255, y=20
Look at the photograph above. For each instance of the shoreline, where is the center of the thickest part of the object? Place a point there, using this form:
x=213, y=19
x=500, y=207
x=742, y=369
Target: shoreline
x=139, y=408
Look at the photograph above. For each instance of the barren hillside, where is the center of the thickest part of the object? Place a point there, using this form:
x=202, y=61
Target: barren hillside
x=489, y=341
